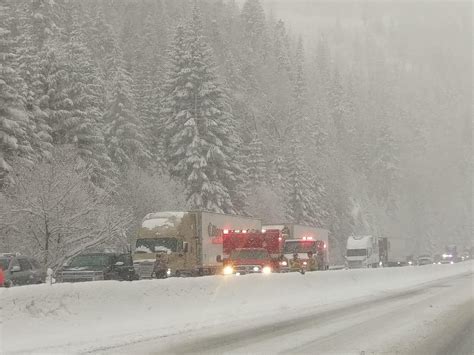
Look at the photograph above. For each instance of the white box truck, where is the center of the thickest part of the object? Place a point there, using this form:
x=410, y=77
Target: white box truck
x=190, y=241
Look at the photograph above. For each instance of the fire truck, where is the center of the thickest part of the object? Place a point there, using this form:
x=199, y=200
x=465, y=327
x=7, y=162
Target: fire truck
x=301, y=240
x=250, y=251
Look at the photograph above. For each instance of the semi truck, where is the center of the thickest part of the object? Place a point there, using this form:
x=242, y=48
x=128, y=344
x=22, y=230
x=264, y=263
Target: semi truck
x=366, y=251
x=252, y=251
x=301, y=239
x=192, y=242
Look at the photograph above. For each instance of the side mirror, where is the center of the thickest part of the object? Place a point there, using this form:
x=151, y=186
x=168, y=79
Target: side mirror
x=185, y=247
x=219, y=258
x=119, y=263
x=16, y=268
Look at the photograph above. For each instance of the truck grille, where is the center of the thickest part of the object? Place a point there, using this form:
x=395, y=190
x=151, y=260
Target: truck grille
x=355, y=263
x=144, y=269
x=248, y=269
x=81, y=276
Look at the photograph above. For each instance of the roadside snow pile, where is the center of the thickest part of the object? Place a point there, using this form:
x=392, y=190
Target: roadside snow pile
x=88, y=316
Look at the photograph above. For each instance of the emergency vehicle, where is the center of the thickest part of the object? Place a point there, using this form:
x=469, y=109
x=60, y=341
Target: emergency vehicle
x=252, y=251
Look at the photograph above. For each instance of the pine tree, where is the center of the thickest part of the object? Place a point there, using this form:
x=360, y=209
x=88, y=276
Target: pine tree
x=281, y=48
x=123, y=128
x=256, y=162
x=300, y=104
x=200, y=133
x=34, y=26
x=337, y=102
x=87, y=92
x=13, y=118
x=299, y=207
x=103, y=46
x=148, y=74
x=253, y=19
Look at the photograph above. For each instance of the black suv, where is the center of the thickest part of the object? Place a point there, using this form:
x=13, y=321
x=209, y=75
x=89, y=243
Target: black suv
x=98, y=266
x=21, y=270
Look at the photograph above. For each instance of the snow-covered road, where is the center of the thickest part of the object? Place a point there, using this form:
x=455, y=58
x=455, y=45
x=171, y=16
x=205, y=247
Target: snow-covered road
x=409, y=322
x=328, y=311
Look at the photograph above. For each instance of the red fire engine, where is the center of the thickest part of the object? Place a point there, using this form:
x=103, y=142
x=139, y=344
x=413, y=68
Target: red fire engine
x=252, y=251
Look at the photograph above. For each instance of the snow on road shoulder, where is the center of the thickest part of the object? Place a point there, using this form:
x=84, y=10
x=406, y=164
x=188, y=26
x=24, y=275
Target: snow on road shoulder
x=86, y=316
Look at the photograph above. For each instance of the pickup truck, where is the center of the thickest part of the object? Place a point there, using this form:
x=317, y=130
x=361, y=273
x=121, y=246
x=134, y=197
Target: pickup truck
x=98, y=266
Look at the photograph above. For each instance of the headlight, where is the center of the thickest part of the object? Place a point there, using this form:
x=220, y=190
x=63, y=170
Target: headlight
x=305, y=263
x=410, y=262
x=228, y=270
x=452, y=262
x=256, y=269
x=168, y=272
x=267, y=270
x=283, y=263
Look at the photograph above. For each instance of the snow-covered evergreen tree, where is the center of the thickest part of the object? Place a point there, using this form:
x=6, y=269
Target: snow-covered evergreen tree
x=14, y=121
x=123, y=128
x=34, y=25
x=256, y=162
x=87, y=93
x=299, y=206
x=281, y=48
x=201, y=143
x=253, y=18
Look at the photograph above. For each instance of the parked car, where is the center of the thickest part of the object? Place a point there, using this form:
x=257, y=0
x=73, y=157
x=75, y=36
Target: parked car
x=98, y=266
x=21, y=270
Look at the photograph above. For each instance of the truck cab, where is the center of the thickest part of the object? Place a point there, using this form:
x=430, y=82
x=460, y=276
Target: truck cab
x=304, y=246
x=252, y=251
x=362, y=252
x=248, y=261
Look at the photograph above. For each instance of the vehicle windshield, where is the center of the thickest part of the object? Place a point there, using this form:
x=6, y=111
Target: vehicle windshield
x=249, y=254
x=356, y=252
x=90, y=260
x=4, y=262
x=152, y=245
x=300, y=246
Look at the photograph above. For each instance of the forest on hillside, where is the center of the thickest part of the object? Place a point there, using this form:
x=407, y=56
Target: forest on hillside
x=111, y=109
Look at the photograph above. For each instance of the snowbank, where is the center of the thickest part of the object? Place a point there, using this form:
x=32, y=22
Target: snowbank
x=87, y=316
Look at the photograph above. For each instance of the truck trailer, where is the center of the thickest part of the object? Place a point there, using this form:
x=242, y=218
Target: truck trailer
x=192, y=242
x=301, y=239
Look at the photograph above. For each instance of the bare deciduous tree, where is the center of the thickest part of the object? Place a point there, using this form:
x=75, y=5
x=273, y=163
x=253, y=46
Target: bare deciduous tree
x=53, y=212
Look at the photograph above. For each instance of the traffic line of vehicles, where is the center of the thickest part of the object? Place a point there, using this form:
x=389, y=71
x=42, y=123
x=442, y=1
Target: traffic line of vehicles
x=367, y=251
x=198, y=243
x=201, y=243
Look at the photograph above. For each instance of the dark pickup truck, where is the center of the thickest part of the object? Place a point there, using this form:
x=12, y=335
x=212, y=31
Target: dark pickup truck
x=98, y=266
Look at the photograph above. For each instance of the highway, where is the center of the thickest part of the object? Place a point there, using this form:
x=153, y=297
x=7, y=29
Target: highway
x=433, y=318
